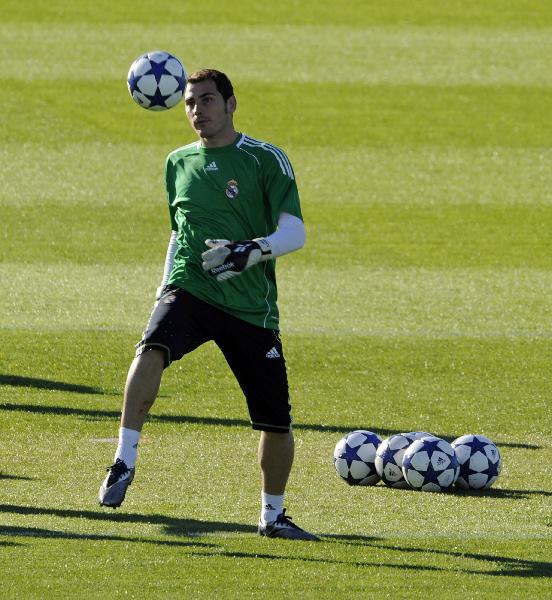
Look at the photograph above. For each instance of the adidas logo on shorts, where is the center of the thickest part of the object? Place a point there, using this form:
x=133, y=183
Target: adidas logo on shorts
x=273, y=353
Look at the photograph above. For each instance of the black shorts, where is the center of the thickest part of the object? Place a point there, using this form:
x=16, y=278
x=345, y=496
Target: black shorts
x=180, y=323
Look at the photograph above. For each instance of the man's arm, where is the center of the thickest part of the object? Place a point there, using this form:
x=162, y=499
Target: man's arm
x=169, y=262
x=226, y=259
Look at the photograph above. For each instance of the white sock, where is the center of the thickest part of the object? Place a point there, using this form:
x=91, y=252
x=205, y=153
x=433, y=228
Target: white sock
x=128, y=446
x=271, y=507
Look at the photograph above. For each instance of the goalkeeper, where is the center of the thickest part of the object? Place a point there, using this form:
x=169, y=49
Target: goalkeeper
x=234, y=208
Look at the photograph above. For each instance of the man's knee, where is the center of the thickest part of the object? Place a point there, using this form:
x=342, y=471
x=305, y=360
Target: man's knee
x=151, y=358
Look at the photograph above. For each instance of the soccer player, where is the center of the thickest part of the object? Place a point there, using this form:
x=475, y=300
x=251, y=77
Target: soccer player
x=234, y=208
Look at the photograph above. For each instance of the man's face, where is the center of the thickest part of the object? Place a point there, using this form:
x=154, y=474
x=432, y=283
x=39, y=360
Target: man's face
x=209, y=115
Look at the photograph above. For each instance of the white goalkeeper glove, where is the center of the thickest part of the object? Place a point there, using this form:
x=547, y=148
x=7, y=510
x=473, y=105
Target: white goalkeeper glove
x=226, y=259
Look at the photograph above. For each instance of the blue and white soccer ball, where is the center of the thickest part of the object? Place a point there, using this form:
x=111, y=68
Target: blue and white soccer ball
x=418, y=435
x=156, y=80
x=430, y=465
x=389, y=458
x=480, y=462
x=354, y=457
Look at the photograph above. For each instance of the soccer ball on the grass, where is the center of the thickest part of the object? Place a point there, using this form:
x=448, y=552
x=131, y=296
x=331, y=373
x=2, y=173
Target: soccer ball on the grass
x=418, y=435
x=480, y=462
x=156, y=80
x=389, y=457
x=430, y=465
x=354, y=457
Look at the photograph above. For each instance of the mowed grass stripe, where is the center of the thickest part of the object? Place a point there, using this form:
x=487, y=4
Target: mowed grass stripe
x=430, y=303
x=370, y=235
x=445, y=386
x=335, y=54
x=65, y=111
x=420, y=176
x=356, y=13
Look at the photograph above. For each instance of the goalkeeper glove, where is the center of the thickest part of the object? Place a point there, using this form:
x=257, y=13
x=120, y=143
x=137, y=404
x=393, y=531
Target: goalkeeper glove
x=226, y=259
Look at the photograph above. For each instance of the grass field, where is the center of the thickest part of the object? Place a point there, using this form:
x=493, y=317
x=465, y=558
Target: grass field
x=421, y=138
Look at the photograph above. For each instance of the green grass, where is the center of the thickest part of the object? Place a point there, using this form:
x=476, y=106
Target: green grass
x=422, y=300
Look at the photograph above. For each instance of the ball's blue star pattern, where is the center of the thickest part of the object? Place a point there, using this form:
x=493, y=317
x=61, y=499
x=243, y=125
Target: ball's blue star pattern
x=158, y=69
x=132, y=81
x=430, y=476
x=157, y=99
x=478, y=445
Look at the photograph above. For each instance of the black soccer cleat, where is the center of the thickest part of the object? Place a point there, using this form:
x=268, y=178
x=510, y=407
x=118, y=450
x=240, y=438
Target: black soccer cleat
x=113, y=489
x=284, y=528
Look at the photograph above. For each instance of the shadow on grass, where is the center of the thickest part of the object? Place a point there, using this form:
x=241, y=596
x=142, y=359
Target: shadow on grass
x=36, y=532
x=311, y=559
x=4, y=543
x=98, y=415
x=171, y=525
x=507, y=566
x=501, y=565
x=502, y=493
x=48, y=384
x=17, y=477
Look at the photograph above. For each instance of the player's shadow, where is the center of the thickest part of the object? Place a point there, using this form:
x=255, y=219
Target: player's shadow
x=507, y=566
x=170, y=525
x=48, y=384
x=97, y=415
x=325, y=560
x=16, y=477
x=37, y=532
x=6, y=543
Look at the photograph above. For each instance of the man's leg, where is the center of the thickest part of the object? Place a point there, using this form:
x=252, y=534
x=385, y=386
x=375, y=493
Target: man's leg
x=275, y=459
x=142, y=386
x=256, y=358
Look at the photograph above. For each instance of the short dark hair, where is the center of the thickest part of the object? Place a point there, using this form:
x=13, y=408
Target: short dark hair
x=224, y=85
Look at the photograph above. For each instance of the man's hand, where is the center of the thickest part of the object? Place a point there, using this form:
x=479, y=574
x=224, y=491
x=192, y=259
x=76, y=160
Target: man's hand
x=226, y=259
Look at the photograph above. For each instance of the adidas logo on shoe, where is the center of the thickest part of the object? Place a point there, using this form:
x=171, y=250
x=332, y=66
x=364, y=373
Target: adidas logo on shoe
x=273, y=353
x=212, y=166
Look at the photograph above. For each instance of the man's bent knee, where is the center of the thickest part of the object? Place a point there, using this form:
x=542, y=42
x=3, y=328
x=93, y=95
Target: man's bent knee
x=151, y=358
x=155, y=349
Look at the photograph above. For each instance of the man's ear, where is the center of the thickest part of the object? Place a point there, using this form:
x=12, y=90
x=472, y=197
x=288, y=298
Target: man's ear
x=231, y=104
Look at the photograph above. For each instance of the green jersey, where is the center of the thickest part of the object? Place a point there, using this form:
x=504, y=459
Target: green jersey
x=234, y=192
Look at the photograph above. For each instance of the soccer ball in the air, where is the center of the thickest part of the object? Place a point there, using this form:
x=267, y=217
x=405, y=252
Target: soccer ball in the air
x=480, y=462
x=430, y=465
x=156, y=80
x=389, y=457
x=354, y=457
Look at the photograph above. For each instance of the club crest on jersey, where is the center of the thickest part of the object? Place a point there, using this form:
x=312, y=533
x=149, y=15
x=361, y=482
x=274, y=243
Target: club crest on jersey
x=232, y=189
